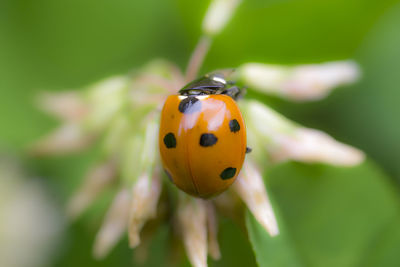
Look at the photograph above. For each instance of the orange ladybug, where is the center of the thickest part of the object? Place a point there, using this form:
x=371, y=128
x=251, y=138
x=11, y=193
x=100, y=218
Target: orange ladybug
x=202, y=137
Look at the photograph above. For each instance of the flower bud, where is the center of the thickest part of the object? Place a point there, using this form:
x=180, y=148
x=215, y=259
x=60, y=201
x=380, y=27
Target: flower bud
x=150, y=145
x=299, y=83
x=130, y=159
x=66, y=139
x=116, y=137
x=140, y=152
x=310, y=145
x=218, y=15
x=284, y=140
x=155, y=79
x=67, y=106
x=114, y=225
x=212, y=227
x=193, y=221
x=145, y=194
x=105, y=99
x=250, y=187
x=98, y=178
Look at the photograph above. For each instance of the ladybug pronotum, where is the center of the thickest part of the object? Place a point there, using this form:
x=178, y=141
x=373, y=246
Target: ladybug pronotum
x=202, y=136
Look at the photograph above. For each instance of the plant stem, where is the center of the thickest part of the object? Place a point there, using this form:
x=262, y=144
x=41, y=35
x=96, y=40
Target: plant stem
x=197, y=58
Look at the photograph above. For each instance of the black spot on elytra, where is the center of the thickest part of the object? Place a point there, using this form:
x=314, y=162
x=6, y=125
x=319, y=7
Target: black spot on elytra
x=189, y=105
x=208, y=139
x=248, y=149
x=234, y=126
x=169, y=140
x=228, y=173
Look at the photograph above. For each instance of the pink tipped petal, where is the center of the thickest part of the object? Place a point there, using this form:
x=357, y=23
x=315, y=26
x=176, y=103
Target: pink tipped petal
x=284, y=140
x=114, y=225
x=218, y=15
x=313, y=82
x=310, y=145
x=67, y=106
x=98, y=179
x=66, y=139
x=145, y=195
x=192, y=218
x=212, y=225
x=299, y=83
x=251, y=189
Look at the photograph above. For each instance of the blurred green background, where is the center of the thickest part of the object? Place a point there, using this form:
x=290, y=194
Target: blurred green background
x=329, y=216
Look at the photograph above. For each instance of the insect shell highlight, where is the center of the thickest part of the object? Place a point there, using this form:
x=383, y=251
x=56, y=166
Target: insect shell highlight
x=202, y=136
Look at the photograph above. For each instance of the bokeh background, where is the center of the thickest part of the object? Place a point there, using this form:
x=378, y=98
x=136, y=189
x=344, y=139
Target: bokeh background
x=329, y=216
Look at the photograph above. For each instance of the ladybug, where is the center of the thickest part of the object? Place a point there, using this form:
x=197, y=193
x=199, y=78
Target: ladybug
x=202, y=137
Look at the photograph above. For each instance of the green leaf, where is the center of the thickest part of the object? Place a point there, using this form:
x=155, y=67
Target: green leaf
x=235, y=248
x=329, y=216
x=384, y=251
x=271, y=251
x=378, y=94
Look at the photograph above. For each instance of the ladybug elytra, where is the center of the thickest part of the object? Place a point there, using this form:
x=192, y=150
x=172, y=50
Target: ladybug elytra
x=202, y=136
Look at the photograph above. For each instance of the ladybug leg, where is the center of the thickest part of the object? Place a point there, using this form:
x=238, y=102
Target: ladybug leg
x=248, y=150
x=234, y=92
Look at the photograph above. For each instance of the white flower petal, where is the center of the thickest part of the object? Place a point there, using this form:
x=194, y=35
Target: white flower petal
x=145, y=194
x=114, y=225
x=193, y=222
x=97, y=179
x=299, y=83
x=68, y=138
x=105, y=99
x=218, y=15
x=67, y=105
x=310, y=145
x=212, y=226
x=284, y=140
x=250, y=187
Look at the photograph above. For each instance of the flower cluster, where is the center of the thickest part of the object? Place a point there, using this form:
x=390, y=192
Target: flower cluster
x=122, y=113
